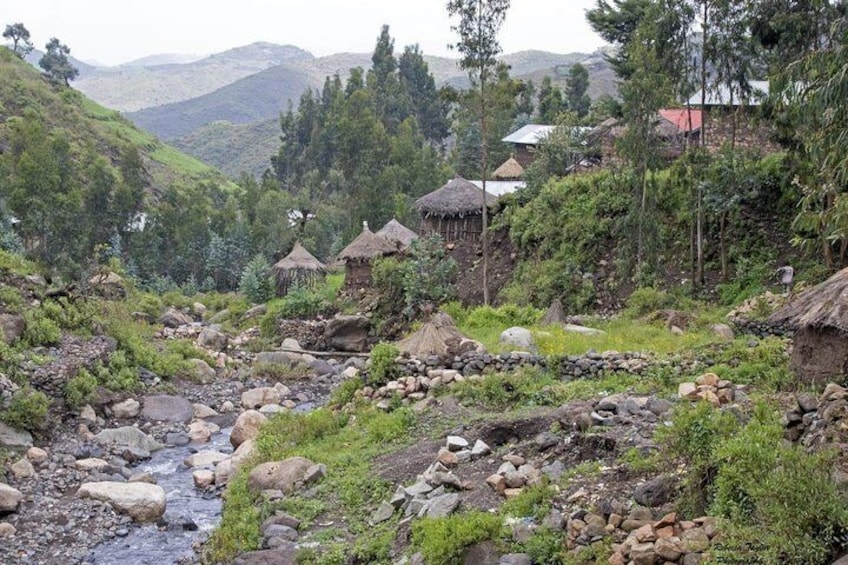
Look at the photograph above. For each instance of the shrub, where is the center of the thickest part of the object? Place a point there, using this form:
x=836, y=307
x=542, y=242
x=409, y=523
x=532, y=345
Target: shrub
x=643, y=301
x=40, y=330
x=383, y=365
x=255, y=283
x=27, y=410
x=505, y=316
x=80, y=390
x=345, y=392
x=442, y=541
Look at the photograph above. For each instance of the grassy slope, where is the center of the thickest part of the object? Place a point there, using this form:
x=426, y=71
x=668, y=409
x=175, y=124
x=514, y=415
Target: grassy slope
x=234, y=148
x=23, y=87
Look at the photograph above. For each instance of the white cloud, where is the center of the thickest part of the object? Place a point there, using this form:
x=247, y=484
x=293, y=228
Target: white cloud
x=112, y=31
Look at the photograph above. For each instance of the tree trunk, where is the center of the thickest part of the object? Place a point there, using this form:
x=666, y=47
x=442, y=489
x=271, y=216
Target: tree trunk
x=484, y=158
x=722, y=247
x=699, y=243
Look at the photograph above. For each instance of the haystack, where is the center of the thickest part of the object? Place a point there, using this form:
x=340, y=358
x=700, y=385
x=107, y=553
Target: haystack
x=454, y=211
x=819, y=317
x=509, y=170
x=438, y=336
x=299, y=267
x=398, y=234
x=554, y=315
x=358, y=255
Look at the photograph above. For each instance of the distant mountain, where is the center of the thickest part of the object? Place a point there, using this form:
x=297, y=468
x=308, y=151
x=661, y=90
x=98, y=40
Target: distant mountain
x=163, y=59
x=258, y=97
x=35, y=56
x=130, y=88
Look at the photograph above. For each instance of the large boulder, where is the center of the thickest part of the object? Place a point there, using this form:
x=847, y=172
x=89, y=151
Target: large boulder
x=143, y=502
x=129, y=408
x=347, y=333
x=167, y=408
x=108, y=285
x=173, y=318
x=12, y=438
x=259, y=397
x=127, y=436
x=211, y=337
x=518, y=337
x=11, y=327
x=655, y=492
x=10, y=498
x=246, y=427
x=279, y=475
x=286, y=555
x=274, y=358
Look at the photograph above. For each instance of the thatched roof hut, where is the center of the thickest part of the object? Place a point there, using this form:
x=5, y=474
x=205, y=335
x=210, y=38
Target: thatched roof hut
x=454, y=211
x=358, y=255
x=554, y=315
x=398, y=234
x=298, y=267
x=509, y=170
x=437, y=336
x=819, y=317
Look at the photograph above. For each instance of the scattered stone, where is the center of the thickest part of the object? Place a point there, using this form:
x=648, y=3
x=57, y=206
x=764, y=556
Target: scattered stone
x=37, y=456
x=211, y=337
x=141, y=501
x=246, y=427
x=480, y=449
x=173, y=318
x=12, y=438
x=91, y=464
x=167, y=408
x=347, y=333
x=440, y=506
x=127, y=436
x=7, y=530
x=10, y=498
x=258, y=397
x=203, y=478
x=201, y=431
x=12, y=327
x=204, y=459
x=655, y=492
x=87, y=415
x=127, y=409
x=518, y=337
x=279, y=475
x=456, y=443
x=22, y=469
x=382, y=513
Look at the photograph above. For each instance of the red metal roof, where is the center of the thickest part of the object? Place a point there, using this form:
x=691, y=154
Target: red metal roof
x=680, y=118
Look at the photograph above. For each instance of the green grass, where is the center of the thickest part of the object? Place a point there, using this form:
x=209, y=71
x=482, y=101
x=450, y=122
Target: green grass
x=347, y=445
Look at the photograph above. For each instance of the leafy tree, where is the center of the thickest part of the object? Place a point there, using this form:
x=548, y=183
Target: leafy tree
x=255, y=283
x=479, y=23
x=576, y=86
x=56, y=65
x=550, y=102
x=429, y=107
x=391, y=102
x=19, y=35
x=617, y=22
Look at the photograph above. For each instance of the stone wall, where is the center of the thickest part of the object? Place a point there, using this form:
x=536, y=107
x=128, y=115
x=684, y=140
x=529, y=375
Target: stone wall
x=751, y=133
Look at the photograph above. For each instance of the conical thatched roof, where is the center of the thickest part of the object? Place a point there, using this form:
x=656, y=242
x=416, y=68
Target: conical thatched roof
x=509, y=170
x=398, y=234
x=438, y=336
x=554, y=316
x=458, y=197
x=366, y=246
x=299, y=258
x=823, y=306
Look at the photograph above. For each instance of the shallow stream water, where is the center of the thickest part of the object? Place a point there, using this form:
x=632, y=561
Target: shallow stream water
x=189, y=515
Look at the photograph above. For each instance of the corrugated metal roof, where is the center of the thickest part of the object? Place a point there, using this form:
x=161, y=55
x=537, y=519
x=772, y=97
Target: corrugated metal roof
x=679, y=117
x=530, y=134
x=723, y=96
x=499, y=187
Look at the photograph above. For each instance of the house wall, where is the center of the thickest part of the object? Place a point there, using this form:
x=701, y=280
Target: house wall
x=357, y=273
x=454, y=228
x=751, y=133
x=819, y=356
x=524, y=154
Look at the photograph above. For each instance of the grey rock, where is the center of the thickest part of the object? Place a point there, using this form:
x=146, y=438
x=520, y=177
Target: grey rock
x=554, y=470
x=807, y=402
x=12, y=326
x=480, y=449
x=143, y=502
x=282, y=518
x=10, y=437
x=655, y=492
x=519, y=337
x=173, y=318
x=127, y=436
x=515, y=559
x=658, y=406
x=256, y=311
x=280, y=531
x=283, y=555
x=418, y=488
x=10, y=498
x=167, y=408
x=382, y=513
x=455, y=443
x=211, y=337
x=273, y=358
x=441, y=506
x=399, y=498
x=545, y=440
x=347, y=333
x=282, y=475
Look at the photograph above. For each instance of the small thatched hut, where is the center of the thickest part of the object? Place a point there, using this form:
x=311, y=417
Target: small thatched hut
x=357, y=256
x=398, y=234
x=299, y=267
x=438, y=336
x=454, y=211
x=554, y=315
x=509, y=170
x=819, y=317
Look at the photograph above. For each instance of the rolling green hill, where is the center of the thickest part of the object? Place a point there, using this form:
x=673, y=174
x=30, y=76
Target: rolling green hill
x=259, y=97
x=23, y=89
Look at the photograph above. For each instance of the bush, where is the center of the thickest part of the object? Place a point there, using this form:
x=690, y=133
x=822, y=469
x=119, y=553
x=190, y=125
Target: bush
x=255, y=283
x=643, y=301
x=80, y=390
x=442, y=541
x=40, y=330
x=383, y=366
x=505, y=316
x=27, y=410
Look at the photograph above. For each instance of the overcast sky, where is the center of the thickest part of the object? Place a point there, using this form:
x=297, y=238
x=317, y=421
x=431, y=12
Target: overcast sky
x=118, y=31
